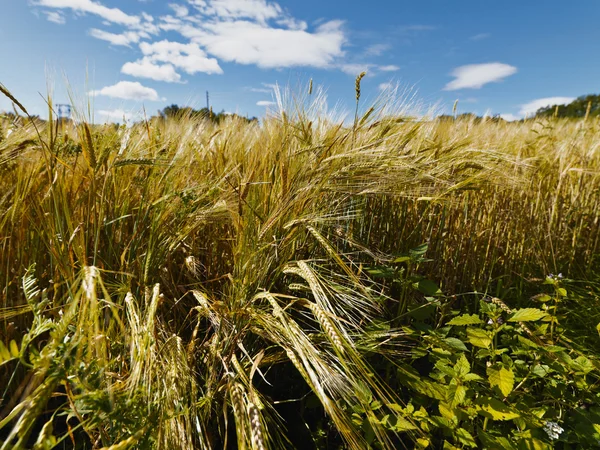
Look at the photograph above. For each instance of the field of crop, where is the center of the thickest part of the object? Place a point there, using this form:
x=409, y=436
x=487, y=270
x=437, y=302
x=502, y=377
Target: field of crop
x=300, y=282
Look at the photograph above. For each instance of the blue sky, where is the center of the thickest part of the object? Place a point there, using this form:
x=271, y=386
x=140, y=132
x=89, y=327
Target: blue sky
x=507, y=57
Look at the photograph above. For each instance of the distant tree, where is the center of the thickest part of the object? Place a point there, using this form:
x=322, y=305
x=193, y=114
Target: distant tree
x=576, y=109
x=177, y=112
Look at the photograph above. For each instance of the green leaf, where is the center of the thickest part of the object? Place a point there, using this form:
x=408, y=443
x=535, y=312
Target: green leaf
x=465, y=437
x=14, y=349
x=496, y=410
x=503, y=378
x=478, y=337
x=462, y=366
x=562, y=292
x=541, y=370
x=527, y=315
x=456, y=394
x=456, y=344
x=428, y=287
x=5, y=354
x=466, y=319
x=419, y=251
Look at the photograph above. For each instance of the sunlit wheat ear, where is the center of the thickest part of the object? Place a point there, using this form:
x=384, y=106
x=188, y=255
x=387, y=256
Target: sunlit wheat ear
x=258, y=442
x=357, y=84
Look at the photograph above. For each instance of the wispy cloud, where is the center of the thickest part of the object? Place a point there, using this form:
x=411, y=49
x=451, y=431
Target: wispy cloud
x=530, y=108
x=385, y=86
x=265, y=103
x=128, y=90
x=354, y=69
x=377, y=49
x=480, y=36
x=114, y=15
x=126, y=38
x=56, y=17
x=475, y=76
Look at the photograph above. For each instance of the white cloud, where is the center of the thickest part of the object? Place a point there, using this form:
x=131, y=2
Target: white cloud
x=188, y=57
x=474, y=76
x=115, y=115
x=56, y=17
x=509, y=117
x=125, y=39
x=180, y=10
x=354, y=69
x=265, y=103
x=247, y=42
x=114, y=15
x=377, y=49
x=145, y=68
x=128, y=90
x=480, y=36
x=529, y=109
x=257, y=10
x=386, y=86
x=388, y=68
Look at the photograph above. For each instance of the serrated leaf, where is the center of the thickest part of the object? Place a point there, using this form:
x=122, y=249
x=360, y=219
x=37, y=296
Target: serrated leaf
x=462, y=366
x=527, y=315
x=503, y=378
x=466, y=319
x=456, y=344
x=14, y=349
x=403, y=425
x=541, y=370
x=472, y=377
x=465, y=438
x=478, y=337
x=495, y=409
x=456, y=395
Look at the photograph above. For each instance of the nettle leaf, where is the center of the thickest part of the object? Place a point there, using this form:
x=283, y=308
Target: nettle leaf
x=462, y=366
x=465, y=437
x=541, y=370
x=496, y=410
x=503, y=378
x=466, y=319
x=428, y=287
x=456, y=344
x=456, y=394
x=527, y=315
x=478, y=337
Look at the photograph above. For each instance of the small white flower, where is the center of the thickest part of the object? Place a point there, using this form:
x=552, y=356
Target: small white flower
x=553, y=430
x=490, y=322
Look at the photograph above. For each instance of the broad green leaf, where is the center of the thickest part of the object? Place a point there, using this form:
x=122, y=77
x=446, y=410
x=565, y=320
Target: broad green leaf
x=419, y=251
x=422, y=443
x=456, y=394
x=447, y=412
x=478, y=337
x=472, y=377
x=465, y=437
x=541, y=370
x=403, y=425
x=466, y=319
x=456, y=344
x=428, y=287
x=503, y=378
x=462, y=366
x=449, y=446
x=533, y=444
x=527, y=315
x=495, y=409
x=562, y=292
